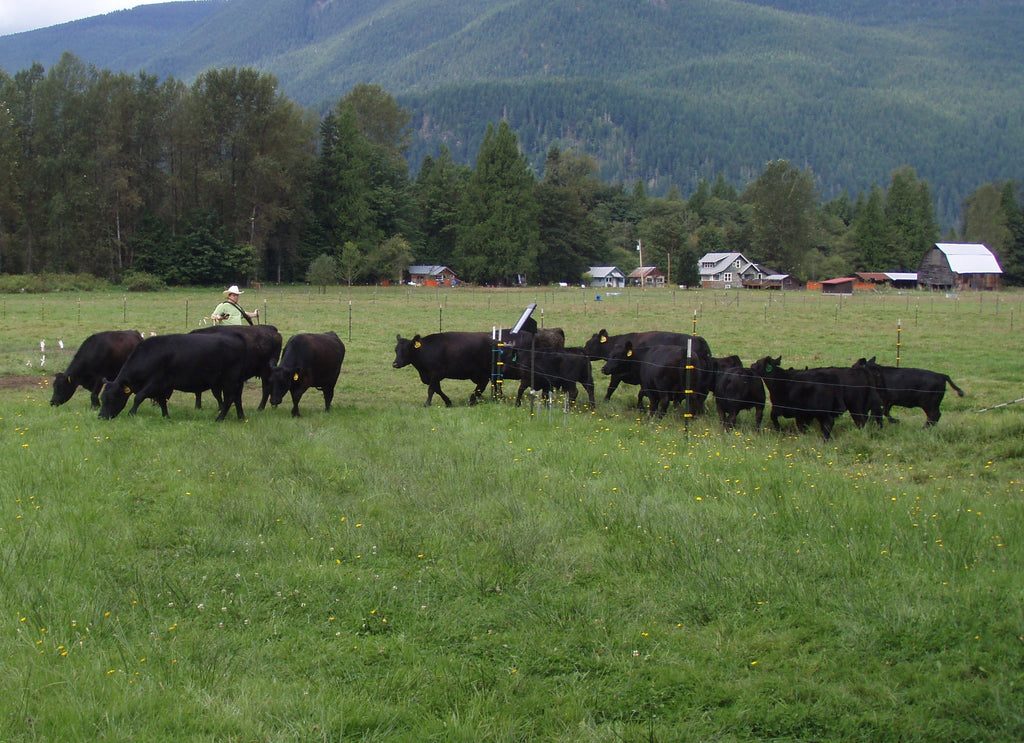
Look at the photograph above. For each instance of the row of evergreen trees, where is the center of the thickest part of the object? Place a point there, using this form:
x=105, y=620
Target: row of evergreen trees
x=107, y=173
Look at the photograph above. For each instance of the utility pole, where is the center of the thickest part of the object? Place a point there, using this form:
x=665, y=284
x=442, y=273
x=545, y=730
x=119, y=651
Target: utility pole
x=640, y=250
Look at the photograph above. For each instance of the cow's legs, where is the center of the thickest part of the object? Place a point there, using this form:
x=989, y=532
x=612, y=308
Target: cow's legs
x=296, y=396
x=265, y=380
x=435, y=387
x=481, y=387
x=826, y=422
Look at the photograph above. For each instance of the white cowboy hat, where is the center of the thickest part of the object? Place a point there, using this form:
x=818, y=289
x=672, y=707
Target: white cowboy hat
x=233, y=289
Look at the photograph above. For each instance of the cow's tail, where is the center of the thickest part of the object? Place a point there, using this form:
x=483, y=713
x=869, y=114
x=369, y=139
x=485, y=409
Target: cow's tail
x=951, y=384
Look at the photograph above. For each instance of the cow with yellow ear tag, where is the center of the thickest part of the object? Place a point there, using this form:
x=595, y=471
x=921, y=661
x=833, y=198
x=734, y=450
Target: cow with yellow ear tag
x=308, y=360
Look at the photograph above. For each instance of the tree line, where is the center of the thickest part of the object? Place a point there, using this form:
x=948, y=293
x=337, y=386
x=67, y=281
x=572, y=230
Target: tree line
x=227, y=180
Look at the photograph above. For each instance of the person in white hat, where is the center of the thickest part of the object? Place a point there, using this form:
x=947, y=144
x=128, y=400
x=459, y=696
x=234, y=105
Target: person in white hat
x=229, y=312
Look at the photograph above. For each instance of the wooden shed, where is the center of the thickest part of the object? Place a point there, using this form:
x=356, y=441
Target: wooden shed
x=843, y=285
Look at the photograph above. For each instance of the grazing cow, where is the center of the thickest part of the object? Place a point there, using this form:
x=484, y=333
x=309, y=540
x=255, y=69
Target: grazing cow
x=309, y=360
x=806, y=394
x=601, y=346
x=262, y=351
x=909, y=388
x=100, y=357
x=548, y=369
x=661, y=371
x=186, y=362
x=738, y=389
x=448, y=355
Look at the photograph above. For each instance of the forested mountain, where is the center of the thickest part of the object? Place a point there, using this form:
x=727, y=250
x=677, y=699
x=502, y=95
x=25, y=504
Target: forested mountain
x=659, y=90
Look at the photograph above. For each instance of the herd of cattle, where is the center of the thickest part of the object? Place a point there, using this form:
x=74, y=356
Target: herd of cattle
x=674, y=368
x=669, y=368
x=115, y=364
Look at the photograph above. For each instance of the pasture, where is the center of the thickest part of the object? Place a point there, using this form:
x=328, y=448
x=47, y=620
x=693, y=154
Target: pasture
x=391, y=572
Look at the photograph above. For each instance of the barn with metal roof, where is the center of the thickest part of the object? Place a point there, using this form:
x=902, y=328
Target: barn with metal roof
x=959, y=266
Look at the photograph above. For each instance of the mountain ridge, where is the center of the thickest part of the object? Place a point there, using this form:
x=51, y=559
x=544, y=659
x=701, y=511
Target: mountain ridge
x=853, y=90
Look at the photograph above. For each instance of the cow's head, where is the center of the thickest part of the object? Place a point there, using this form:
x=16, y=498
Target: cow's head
x=620, y=359
x=281, y=380
x=405, y=350
x=597, y=346
x=873, y=371
x=516, y=353
x=63, y=389
x=767, y=366
x=113, y=398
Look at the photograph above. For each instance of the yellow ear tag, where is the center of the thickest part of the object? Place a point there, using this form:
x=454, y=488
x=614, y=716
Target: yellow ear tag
x=604, y=338
x=127, y=390
x=417, y=344
x=68, y=378
x=629, y=353
x=295, y=377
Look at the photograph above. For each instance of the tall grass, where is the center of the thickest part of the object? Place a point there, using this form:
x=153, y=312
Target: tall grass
x=392, y=572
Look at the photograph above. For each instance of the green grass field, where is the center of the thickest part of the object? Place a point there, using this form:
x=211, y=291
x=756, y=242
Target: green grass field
x=391, y=572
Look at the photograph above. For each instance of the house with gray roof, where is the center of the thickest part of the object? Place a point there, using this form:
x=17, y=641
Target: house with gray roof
x=604, y=277
x=734, y=271
x=432, y=275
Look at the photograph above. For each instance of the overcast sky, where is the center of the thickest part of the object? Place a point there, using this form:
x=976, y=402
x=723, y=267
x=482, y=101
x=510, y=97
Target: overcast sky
x=26, y=15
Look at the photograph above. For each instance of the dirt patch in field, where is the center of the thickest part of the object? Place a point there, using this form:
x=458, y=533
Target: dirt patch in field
x=21, y=382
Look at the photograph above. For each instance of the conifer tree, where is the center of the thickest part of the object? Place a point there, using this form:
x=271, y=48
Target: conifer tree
x=498, y=234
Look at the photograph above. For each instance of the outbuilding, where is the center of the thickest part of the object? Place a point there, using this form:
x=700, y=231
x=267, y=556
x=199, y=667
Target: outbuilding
x=902, y=279
x=843, y=285
x=959, y=266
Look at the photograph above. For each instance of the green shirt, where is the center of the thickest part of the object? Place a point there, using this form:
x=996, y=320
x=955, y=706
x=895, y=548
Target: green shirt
x=233, y=312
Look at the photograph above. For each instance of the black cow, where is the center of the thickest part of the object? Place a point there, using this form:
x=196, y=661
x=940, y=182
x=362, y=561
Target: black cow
x=909, y=388
x=601, y=346
x=448, y=355
x=861, y=394
x=805, y=394
x=309, y=360
x=661, y=371
x=186, y=362
x=100, y=357
x=738, y=389
x=262, y=351
x=545, y=337
x=548, y=369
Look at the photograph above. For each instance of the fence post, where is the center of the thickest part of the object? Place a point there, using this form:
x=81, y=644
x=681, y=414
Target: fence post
x=688, y=385
x=497, y=364
x=899, y=331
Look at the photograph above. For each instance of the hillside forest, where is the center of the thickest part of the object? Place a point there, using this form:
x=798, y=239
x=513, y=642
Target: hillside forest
x=226, y=180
